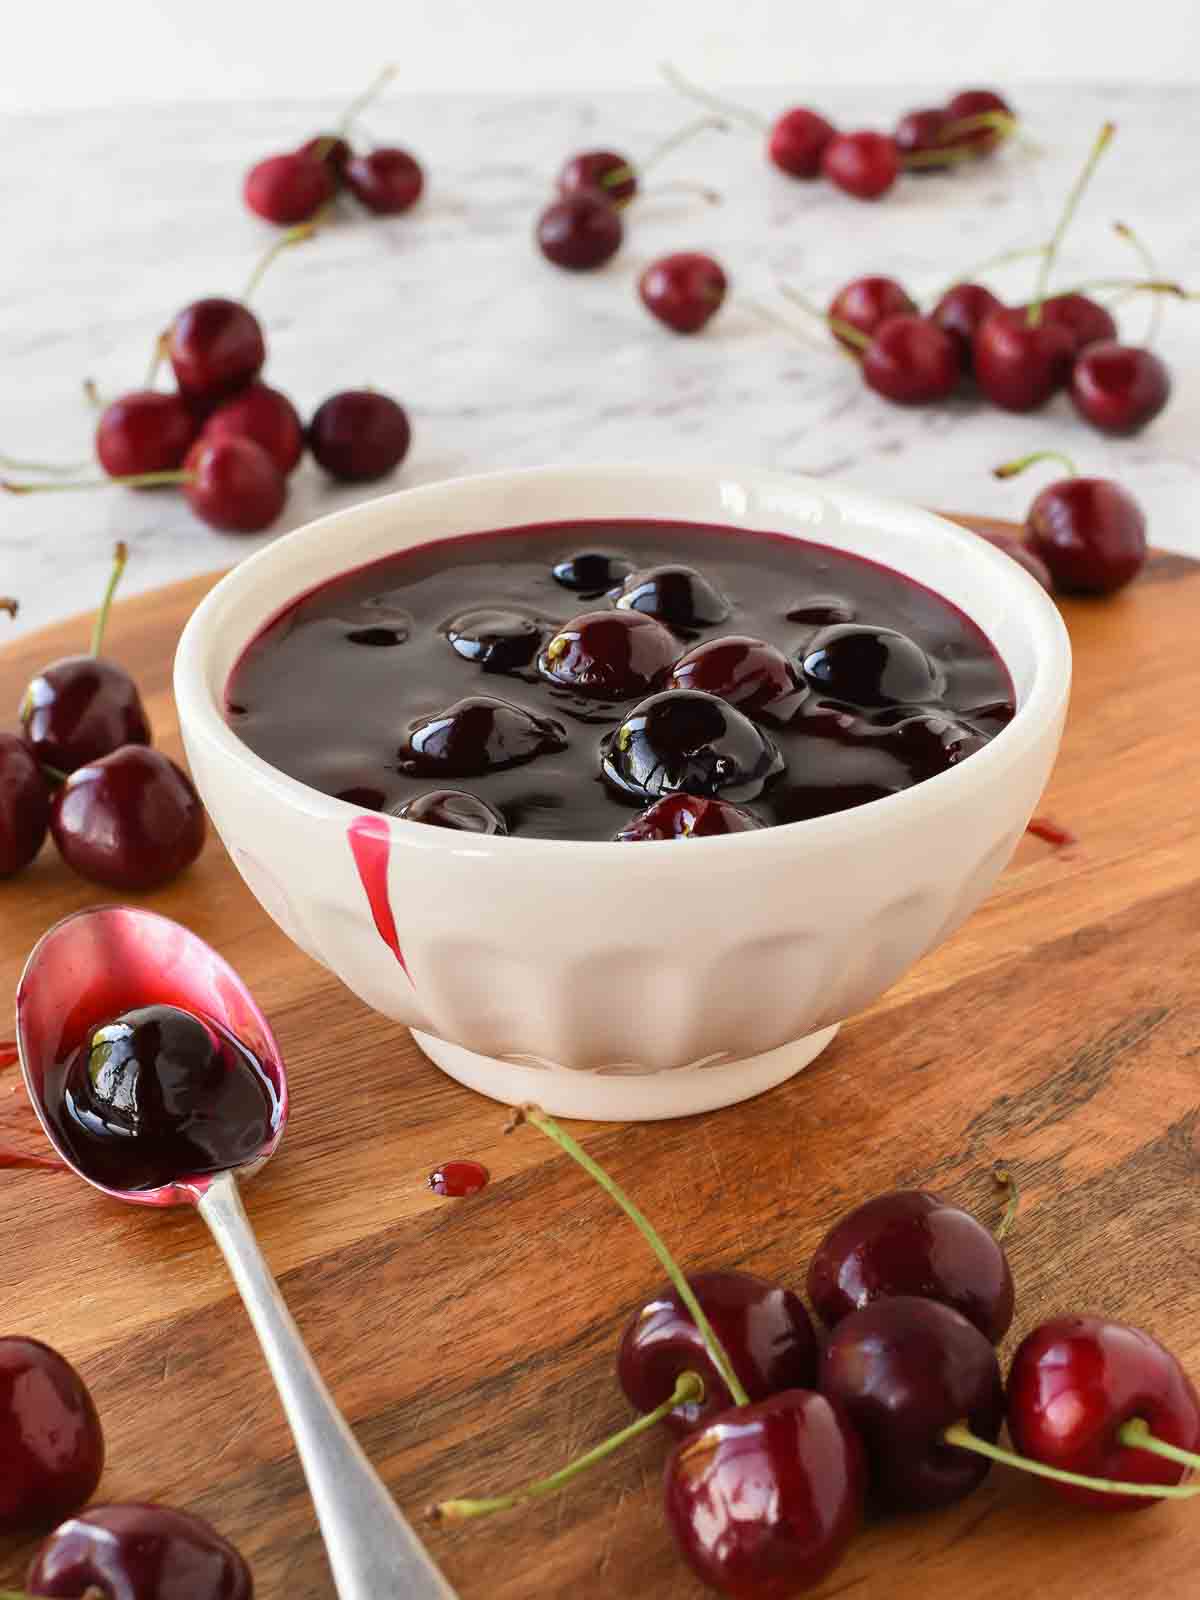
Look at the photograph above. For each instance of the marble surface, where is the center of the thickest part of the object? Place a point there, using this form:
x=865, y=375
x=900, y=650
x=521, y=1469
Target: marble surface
x=116, y=219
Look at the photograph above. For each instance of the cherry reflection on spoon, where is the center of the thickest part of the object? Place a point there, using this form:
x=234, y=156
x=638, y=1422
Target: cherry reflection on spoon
x=82, y=1003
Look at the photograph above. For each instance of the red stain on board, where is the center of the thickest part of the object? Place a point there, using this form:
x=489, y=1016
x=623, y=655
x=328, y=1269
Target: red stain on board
x=371, y=847
x=456, y=1179
x=23, y=1158
x=1052, y=832
x=8, y=1054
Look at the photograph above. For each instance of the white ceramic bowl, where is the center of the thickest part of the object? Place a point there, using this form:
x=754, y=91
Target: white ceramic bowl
x=616, y=981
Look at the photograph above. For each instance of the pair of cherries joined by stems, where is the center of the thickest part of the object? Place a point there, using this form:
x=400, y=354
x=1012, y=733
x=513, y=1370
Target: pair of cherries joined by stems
x=781, y=1441
x=83, y=769
x=52, y=1447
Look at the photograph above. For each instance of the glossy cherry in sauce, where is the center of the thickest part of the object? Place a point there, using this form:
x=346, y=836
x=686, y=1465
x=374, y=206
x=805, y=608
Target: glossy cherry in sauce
x=1019, y=364
x=612, y=655
x=864, y=164
x=911, y=361
x=681, y=740
x=131, y=821
x=909, y=1242
x=160, y=1094
x=870, y=666
x=797, y=140
x=139, y=1552
x=215, y=346
x=24, y=805
x=763, y=1328
x=684, y=816
x=592, y=573
x=677, y=595
x=233, y=484
x=51, y=1442
x=903, y=1370
x=289, y=188
x=387, y=181
x=494, y=638
x=454, y=809
x=749, y=673
x=144, y=431
x=580, y=231
x=359, y=435
x=267, y=417
x=864, y=303
x=1119, y=388
x=477, y=735
x=764, y=1500
x=960, y=312
x=1077, y=1383
x=684, y=290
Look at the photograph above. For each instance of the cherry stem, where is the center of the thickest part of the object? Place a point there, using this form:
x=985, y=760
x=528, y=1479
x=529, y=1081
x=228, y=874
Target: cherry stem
x=1155, y=286
x=91, y=393
x=716, y=1350
x=960, y=1435
x=1103, y=140
x=711, y=197
x=136, y=480
x=120, y=557
x=776, y=321
x=724, y=108
x=52, y=468
x=1002, y=260
x=293, y=236
x=1124, y=231
x=9, y=606
x=1136, y=1434
x=844, y=330
x=360, y=103
x=689, y=1389
x=1012, y=469
x=680, y=136
x=53, y=774
x=156, y=360
x=1001, y=122
x=1005, y=1180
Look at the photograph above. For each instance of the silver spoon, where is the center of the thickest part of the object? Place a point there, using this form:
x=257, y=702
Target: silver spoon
x=88, y=969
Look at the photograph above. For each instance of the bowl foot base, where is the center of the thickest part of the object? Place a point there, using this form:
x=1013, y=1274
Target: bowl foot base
x=619, y=1097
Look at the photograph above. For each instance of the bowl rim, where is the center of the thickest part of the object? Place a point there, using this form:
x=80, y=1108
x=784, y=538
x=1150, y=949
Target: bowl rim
x=202, y=717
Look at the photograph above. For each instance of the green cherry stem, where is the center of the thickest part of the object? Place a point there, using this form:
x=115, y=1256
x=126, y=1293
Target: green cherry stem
x=1150, y=267
x=766, y=314
x=1001, y=260
x=1136, y=1434
x=547, y=1125
x=53, y=469
x=136, y=480
x=1012, y=469
x=1004, y=1179
x=120, y=558
x=360, y=103
x=1103, y=140
x=714, y=102
x=689, y=1388
x=293, y=236
x=960, y=1435
x=844, y=330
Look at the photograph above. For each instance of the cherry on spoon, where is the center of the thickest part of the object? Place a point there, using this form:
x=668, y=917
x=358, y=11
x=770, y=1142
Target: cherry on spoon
x=99, y=964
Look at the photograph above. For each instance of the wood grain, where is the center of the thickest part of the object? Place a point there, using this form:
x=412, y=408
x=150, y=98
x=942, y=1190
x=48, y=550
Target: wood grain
x=471, y=1342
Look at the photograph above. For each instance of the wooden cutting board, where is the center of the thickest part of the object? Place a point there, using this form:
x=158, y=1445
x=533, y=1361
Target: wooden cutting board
x=470, y=1342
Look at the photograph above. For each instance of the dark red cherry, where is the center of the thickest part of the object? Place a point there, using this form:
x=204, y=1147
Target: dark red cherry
x=144, y=432
x=82, y=708
x=679, y=596
x=386, y=181
x=1022, y=555
x=1019, y=366
x=612, y=655
x=960, y=312
x=903, y=1370
x=763, y=1328
x=914, y=1243
x=871, y=666
x=763, y=1501
x=923, y=133
x=267, y=417
x=24, y=805
x=1075, y=1382
x=330, y=148
x=139, y=1552
x=131, y=821
x=973, y=103
x=822, y=608
x=683, y=290
x=454, y=808
x=749, y=673
x=1090, y=533
x=928, y=742
x=592, y=573
x=580, y=231
x=866, y=302
x=684, y=816
x=911, y=361
x=1119, y=388
x=233, y=484
x=495, y=639
x=864, y=164
x=612, y=174
x=215, y=346
x=685, y=741
x=289, y=188
x=1086, y=320
x=51, y=1442
x=359, y=435
x=797, y=142
x=475, y=736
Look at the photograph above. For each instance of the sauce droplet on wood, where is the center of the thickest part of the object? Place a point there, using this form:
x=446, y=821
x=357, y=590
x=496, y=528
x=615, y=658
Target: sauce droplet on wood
x=456, y=1179
x=1052, y=832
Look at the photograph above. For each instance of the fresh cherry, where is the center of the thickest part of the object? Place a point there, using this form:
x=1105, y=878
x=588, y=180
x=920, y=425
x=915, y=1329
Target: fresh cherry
x=763, y=1328
x=923, y=133
x=495, y=639
x=864, y=164
x=51, y=1443
x=903, y=1370
x=265, y=416
x=290, y=188
x=682, y=740
x=387, y=181
x=131, y=821
x=475, y=736
x=1119, y=388
x=1075, y=1385
x=866, y=666
x=611, y=655
x=679, y=596
x=144, y=431
x=960, y=312
x=215, y=346
x=911, y=361
x=909, y=1242
x=454, y=808
x=604, y=170
x=359, y=435
x=24, y=805
x=1087, y=321
x=330, y=148
x=797, y=141
x=139, y=1552
x=1019, y=364
x=233, y=484
x=864, y=303
x=748, y=673
x=684, y=816
x=683, y=290
x=971, y=103
x=1022, y=555
x=1089, y=532
x=580, y=231
x=764, y=1500
x=592, y=573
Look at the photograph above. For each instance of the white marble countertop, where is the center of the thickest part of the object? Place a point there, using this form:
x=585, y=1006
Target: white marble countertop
x=116, y=219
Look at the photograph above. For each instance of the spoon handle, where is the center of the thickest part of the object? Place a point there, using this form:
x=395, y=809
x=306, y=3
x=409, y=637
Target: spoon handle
x=373, y=1552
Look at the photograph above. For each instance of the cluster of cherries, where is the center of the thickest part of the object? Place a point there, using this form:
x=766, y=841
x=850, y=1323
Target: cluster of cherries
x=782, y=1436
x=82, y=768
x=296, y=186
x=52, y=1446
